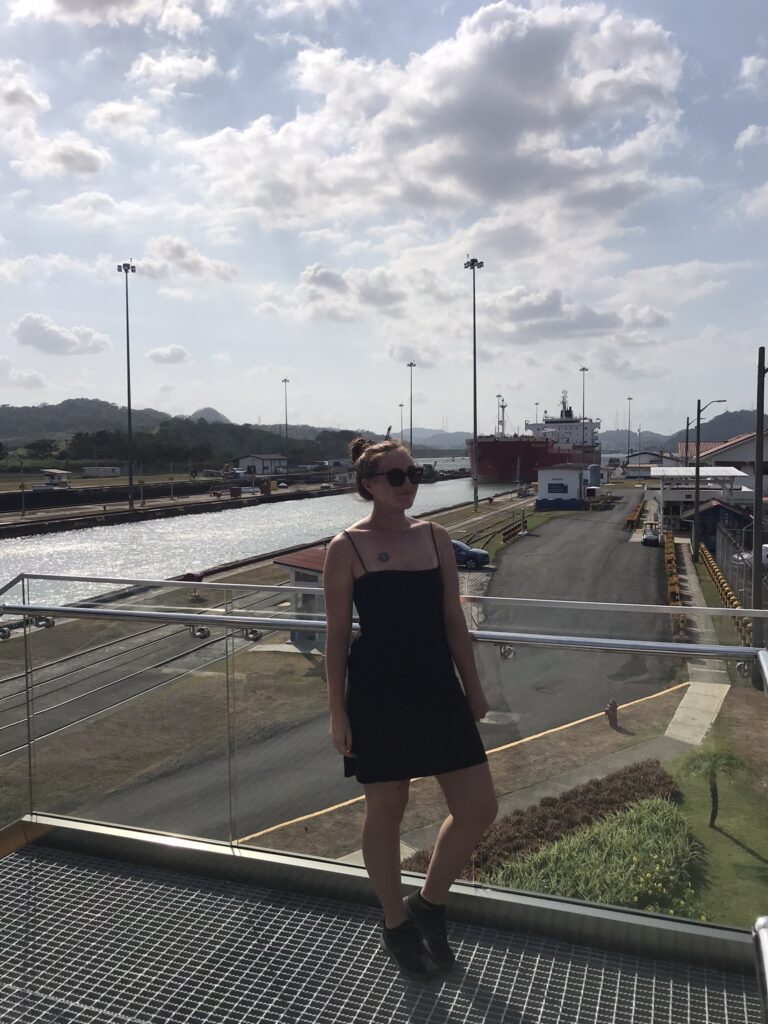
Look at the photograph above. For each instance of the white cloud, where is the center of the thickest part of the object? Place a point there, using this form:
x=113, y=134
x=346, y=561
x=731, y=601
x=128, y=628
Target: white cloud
x=169, y=253
x=33, y=267
x=32, y=153
x=224, y=358
x=176, y=17
x=95, y=209
x=169, y=354
x=672, y=285
x=12, y=378
x=754, y=135
x=753, y=73
x=18, y=97
x=316, y=9
x=171, y=68
x=40, y=332
x=755, y=203
x=552, y=101
x=128, y=122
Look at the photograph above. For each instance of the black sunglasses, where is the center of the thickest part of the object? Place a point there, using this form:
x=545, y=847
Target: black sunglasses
x=397, y=477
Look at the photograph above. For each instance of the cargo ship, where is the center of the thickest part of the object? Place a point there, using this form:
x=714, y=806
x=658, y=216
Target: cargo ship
x=557, y=439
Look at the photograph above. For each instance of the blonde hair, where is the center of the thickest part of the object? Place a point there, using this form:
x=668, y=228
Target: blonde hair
x=366, y=454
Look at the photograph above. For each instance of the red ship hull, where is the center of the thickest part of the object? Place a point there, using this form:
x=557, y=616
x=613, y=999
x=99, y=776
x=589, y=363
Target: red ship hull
x=507, y=460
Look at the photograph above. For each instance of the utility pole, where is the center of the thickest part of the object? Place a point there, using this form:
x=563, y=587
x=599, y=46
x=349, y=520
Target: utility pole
x=410, y=443
x=474, y=265
x=401, y=422
x=757, y=511
x=687, y=429
x=583, y=370
x=286, y=382
x=696, y=482
x=629, y=428
x=128, y=268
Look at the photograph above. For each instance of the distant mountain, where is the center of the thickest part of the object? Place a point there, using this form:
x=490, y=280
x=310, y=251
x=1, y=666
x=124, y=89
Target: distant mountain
x=19, y=424
x=720, y=428
x=430, y=438
x=211, y=415
x=616, y=441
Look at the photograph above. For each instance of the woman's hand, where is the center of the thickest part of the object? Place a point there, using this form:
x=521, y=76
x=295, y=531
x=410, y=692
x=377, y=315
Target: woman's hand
x=478, y=705
x=341, y=733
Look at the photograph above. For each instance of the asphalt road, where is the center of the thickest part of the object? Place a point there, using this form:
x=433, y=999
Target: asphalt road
x=573, y=557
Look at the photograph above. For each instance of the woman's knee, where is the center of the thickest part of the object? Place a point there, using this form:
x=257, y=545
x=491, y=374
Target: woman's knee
x=386, y=801
x=480, y=811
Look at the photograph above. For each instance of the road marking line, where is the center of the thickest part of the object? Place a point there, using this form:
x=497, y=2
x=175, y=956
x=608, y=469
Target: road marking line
x=495, y=750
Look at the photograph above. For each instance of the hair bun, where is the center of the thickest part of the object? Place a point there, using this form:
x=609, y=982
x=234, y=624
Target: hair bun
x=357, y=446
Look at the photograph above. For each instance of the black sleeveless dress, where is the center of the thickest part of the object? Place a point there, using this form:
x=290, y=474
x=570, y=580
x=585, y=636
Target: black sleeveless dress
x=407, y=710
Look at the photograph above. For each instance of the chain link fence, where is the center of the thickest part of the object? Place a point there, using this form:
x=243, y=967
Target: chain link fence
x=734, y=556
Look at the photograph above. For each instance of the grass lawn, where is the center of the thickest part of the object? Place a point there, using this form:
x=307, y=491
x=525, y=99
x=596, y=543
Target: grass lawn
x=734, y=889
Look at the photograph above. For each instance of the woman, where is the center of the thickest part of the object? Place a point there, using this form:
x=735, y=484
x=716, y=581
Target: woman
x=402, y=713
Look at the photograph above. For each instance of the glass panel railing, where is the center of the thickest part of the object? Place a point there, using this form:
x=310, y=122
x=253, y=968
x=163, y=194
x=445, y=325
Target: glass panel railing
x=14, y=760
x=285, y=767
x=225, y=736
x=129, y=723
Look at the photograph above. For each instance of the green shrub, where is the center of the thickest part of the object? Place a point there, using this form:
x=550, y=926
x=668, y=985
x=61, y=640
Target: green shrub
x=642, y=857
x=531, y=828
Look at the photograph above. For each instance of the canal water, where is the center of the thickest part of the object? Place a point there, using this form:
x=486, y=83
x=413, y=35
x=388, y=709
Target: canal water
x=169, y=547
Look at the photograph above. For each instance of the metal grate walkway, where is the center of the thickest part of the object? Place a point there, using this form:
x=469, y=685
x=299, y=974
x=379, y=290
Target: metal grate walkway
x=90, y=940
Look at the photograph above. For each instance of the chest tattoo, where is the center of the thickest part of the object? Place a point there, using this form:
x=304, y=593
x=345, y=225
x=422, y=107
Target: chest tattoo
x=382, y=556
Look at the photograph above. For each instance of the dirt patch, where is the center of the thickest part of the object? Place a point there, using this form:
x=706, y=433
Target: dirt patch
x=742, y=725
x=337, y=832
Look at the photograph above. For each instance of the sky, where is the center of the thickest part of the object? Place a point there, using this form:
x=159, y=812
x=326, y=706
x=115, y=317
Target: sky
x=300, y=183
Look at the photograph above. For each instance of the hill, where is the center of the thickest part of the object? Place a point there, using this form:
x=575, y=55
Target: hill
x=212, y=415
x=19, y=424
x=616, y=441
x=720, y=428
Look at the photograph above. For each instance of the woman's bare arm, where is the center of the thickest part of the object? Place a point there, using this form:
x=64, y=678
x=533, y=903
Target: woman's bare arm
x=337, y=585
x=459, y=640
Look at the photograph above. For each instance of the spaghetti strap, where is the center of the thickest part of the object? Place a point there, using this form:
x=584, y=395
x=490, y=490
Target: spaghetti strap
x=359, y=556
x=432, y=531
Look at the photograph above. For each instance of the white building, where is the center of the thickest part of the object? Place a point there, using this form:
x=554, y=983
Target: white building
x=262, y=465
x=562, y=486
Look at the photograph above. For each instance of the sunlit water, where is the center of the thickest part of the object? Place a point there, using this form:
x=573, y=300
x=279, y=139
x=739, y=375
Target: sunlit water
x=160, y=549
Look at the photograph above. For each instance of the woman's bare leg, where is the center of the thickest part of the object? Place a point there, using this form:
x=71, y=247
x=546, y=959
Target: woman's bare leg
x=472, y=804
x=385, y=803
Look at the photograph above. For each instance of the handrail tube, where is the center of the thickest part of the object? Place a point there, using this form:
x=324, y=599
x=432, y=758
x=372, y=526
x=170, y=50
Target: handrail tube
x=524, y=602
x=12, y=583
x=760, y=938
x=762, y=663
x=318, y=625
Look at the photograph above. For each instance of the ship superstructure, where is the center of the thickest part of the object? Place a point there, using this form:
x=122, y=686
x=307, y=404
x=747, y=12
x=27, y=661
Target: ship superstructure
x=565, y=429
x=557, y=439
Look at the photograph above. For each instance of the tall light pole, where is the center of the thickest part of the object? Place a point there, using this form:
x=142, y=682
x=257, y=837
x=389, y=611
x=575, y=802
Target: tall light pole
x=629, y=428
x=286, y=381
x=474, y=265
x=699, y=410
x=401, y=422
x=410, y=443
x=687, y=429
x=583, y=370
x=498, y=415
x=128, y=268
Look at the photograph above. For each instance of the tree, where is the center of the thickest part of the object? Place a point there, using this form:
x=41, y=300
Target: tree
x=41, y=448
x=709, y=762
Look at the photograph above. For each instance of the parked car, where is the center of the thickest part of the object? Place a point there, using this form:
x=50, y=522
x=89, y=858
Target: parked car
x=282, y=483
x=325, y=487
x=651, y=537
x=467, y=557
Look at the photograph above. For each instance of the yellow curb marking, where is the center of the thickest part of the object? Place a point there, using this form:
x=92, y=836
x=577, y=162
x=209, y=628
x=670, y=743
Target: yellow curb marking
x=494, y=750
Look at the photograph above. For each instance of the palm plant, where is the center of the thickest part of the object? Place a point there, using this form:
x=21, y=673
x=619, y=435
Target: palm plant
x=710, y=762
